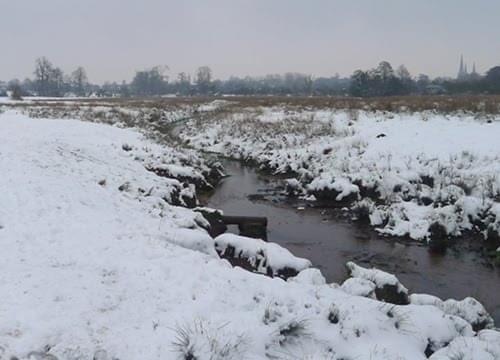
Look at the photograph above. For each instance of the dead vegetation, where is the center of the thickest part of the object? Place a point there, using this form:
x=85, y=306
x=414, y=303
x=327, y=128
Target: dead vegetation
x=486, y=104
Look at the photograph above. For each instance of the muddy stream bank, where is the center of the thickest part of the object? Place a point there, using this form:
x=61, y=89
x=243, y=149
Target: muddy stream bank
x=330, y=240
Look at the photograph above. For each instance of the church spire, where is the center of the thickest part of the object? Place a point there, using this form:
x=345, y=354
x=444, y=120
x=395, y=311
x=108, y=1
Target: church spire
x=461, y=70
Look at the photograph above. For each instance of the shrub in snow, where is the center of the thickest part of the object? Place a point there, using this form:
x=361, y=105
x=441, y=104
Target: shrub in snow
x=293, y=187
x=203, y=340
x=127, y=147
x=287, y=338
x=260, y=256
x=363, y=209
x=340, y=191
x=334, y=314
x=292, y=332
x=272, y=314
x=387, y=286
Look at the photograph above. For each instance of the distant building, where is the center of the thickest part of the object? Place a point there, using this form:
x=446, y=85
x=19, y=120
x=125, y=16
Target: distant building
x=463, y=74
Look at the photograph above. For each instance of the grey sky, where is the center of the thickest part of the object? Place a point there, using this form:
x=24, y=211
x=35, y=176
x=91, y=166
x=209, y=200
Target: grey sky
x=113, y=38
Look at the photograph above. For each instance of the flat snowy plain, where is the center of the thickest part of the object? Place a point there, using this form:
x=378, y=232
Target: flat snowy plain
x=96, y=264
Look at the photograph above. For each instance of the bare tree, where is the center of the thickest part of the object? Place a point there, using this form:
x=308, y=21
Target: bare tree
x=150, y=82
x=15, y=89
x=203, y=79
x=183, y=83
x=56, y=82
x=79, y=80
x=403, y=73
x=43, y=72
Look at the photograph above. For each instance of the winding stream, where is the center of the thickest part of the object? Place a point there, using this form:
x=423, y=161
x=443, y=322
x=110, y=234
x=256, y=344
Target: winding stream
x=329, y=241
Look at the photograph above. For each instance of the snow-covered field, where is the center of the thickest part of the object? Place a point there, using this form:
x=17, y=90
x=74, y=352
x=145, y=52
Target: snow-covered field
x=97, y=264
x=422, y=174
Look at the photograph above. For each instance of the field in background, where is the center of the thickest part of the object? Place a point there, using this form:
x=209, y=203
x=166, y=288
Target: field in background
x=487, y=104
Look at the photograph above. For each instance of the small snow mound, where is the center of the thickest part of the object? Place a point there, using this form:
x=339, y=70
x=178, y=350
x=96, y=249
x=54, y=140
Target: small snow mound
x=387, y=286
x=309, y=277
x=468, y=309
x=485, y=346
x=196, y=240
x=359, y=287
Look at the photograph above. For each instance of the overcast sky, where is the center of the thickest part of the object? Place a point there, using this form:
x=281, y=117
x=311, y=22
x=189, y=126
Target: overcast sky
x=113, y=38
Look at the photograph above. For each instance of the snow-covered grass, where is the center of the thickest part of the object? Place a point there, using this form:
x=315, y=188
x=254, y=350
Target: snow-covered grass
x=92, y=269
x=415, y=174
x=152, y=116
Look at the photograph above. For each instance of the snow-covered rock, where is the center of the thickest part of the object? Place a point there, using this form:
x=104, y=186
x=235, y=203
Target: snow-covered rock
x=259, y=255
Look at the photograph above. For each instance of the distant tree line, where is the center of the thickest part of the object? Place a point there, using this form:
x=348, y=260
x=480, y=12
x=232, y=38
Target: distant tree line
x=383, y=80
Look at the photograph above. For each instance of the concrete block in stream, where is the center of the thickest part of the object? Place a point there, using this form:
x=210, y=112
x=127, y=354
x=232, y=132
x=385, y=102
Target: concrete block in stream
x=250, y=226
x=257, y=231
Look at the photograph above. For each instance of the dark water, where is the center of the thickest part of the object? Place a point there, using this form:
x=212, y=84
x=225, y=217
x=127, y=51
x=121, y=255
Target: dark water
x=329, y=241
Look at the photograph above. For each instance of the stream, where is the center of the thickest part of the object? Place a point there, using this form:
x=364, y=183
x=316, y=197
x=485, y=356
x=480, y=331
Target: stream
x=330, y=240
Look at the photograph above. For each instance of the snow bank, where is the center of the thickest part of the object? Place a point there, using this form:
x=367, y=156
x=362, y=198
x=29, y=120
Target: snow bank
x=90, y=271
x=413, y=174
x=468, y=309
x=264, y=257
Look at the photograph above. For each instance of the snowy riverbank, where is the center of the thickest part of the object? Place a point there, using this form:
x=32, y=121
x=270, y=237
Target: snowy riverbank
x=97, y=264
x=424, y=175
